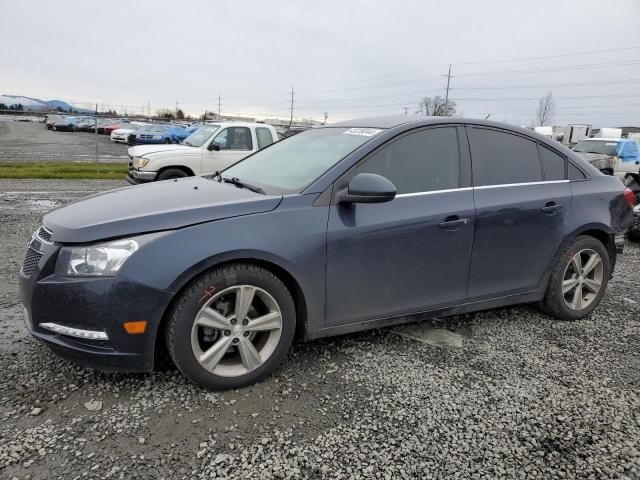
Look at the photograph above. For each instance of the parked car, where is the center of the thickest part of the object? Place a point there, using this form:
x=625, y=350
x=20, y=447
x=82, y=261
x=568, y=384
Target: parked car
x=160, y=134
x=359, y=225
x=610, y=155
x=211, y=148
x=121, y=135
x=65, y=124
x=50, y=120
x=632, y=181
x=87, y=124
x=105, y=123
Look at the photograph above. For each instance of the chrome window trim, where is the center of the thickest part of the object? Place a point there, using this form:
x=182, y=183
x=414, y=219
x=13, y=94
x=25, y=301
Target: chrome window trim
x=481, y=187
x=431, y=192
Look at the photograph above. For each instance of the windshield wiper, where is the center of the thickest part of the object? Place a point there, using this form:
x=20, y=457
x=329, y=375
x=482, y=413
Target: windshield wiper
x=238, y=183
x=186, y=143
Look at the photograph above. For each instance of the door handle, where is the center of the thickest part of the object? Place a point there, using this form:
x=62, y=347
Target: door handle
x=551, y=207
x=453, y=222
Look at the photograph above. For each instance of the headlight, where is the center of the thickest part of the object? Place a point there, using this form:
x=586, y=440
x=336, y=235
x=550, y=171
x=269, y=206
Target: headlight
x=143, y=162
x=102, y=259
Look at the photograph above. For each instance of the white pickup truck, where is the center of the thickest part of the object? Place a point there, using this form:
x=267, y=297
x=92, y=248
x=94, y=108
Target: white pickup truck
x=212, y=147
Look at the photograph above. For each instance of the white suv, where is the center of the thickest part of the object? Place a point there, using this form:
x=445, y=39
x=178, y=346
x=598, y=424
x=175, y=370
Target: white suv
x=212, y=147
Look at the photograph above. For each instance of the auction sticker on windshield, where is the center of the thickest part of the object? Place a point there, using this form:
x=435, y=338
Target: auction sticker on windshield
x=365, y=132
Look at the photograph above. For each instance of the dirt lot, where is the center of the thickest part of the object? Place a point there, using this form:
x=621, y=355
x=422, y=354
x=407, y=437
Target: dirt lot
x=523, y=395
x=32, y=142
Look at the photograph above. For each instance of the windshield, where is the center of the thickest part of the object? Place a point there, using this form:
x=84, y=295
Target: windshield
x=201, y=135
x=596, y=146
x=292, y=164
x=157, y=128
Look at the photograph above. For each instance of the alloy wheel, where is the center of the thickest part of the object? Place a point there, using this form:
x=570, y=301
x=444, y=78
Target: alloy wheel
x=582, y=279
x=236, y=331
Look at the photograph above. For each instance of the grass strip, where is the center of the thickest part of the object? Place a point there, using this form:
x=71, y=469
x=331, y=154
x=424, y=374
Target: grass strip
x=64, y=170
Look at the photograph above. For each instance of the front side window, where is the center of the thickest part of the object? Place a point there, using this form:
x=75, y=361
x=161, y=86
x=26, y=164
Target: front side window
x=501, y=158
x=264, y=137
x=422, y=161
x=234, y=138
x=553, y=164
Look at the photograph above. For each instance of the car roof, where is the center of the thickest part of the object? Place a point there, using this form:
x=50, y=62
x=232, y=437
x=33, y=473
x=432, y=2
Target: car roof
x=237, y=124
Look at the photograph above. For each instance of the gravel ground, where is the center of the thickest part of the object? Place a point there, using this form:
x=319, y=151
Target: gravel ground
x=32, y=142
x=520, y=395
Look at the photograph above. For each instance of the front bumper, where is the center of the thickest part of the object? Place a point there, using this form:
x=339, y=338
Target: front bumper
x=136, y=176
x=60, y=311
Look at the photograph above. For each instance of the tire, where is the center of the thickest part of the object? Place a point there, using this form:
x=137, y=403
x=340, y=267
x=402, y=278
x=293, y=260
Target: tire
x=167, y=141
x=189, y=341
x=607, y=171
x=171, y=173
x=576, y=304
x=634, y=234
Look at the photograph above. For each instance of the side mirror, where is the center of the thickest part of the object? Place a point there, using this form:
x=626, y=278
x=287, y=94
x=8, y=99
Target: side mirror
x=213, y=147
x=368, y=188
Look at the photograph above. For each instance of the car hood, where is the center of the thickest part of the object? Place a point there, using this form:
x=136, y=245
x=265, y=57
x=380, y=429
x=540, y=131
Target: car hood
x=144, y=150
x=153, y=207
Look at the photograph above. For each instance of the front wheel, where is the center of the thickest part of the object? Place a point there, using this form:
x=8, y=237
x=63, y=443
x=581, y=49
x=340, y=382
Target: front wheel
x=171, y=173
x=578, y=280
x=231, y=327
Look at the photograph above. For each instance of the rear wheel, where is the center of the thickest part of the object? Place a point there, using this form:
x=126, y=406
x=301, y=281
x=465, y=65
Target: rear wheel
x=167, y=140
x=231, y=327
x=170, y=173
x=578, y=280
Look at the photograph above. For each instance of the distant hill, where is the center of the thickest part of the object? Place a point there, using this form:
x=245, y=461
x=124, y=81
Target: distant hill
x=36, y=104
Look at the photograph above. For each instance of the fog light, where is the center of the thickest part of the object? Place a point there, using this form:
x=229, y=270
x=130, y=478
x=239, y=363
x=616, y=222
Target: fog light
x=135, y=328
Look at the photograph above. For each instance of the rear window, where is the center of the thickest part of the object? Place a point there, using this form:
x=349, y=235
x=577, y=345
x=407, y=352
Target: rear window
x=264, y=137
x=501, y=158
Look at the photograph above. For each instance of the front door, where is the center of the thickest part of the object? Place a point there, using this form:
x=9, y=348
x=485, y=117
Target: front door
x=411, y=254
x=522, y=198
x=234, y=143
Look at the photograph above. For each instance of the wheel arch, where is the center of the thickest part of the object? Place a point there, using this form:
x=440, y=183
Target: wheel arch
x=184, y=168
x=599, y=231
x=272, y=265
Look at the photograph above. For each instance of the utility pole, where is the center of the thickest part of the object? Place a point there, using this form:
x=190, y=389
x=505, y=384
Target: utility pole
x=96, y=136
x=326, y=115
x=446, y=97
x=148, y=109
x=291, y=117
x=406, y=111
x=176, y=117
x=219, y=107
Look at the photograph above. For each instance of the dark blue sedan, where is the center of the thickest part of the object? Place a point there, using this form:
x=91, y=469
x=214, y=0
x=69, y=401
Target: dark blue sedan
x=357, y=225
x=160, y=134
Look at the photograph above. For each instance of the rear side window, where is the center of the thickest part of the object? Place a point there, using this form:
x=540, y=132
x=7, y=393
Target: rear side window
x=500, y=158
x=422, y=161
x=264, y=137
x=552, y=164
x=575, y=173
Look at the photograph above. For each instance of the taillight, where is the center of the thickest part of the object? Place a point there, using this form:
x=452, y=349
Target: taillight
x=630, y=197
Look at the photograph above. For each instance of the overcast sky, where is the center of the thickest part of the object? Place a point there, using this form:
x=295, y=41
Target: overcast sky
x=346, y=58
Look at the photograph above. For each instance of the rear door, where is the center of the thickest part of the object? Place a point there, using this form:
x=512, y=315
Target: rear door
x=411, y=254
x=522, y=197
x=234, y=144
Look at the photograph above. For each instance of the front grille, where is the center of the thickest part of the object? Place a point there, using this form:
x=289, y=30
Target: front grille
x=30, y=262
x=44, y=234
